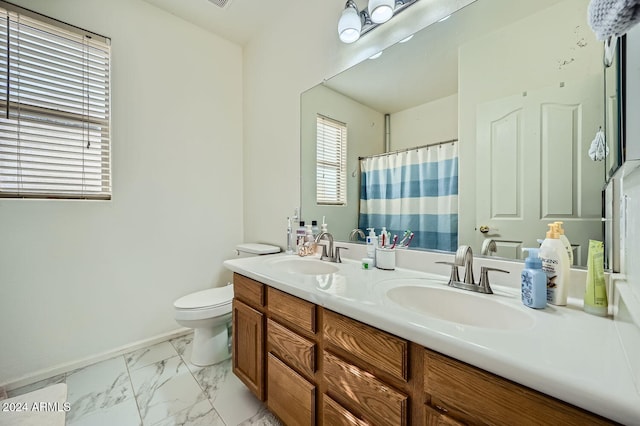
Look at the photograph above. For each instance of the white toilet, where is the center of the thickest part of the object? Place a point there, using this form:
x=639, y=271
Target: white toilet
x=208, y=312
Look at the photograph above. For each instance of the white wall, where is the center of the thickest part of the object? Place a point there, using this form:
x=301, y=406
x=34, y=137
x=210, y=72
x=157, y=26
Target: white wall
x=435, y=121
x=82, y=277
x=365, y=136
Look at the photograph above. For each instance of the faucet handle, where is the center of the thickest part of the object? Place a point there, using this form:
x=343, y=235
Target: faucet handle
x=338, y=260
x=484, y=278
x=454, y=271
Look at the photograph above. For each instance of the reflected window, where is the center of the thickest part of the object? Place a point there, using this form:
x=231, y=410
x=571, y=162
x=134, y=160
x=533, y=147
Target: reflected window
x=331, y=161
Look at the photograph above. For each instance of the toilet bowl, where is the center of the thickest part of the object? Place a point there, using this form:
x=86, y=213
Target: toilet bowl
x=208, y=312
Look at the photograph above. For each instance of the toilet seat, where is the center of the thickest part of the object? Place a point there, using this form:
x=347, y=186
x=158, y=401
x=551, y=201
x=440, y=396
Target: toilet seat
x=205, y=304
x=205, y=299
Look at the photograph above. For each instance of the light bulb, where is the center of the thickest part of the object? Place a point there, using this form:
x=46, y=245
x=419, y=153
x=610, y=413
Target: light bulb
x=349, y=25
x=381, y=10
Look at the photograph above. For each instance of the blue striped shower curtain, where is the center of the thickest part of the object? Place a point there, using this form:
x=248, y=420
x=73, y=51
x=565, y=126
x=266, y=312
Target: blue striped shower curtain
x=416, y=190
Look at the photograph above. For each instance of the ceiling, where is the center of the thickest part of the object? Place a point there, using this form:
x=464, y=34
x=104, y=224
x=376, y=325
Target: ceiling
x=238, y=21
x=426, y=67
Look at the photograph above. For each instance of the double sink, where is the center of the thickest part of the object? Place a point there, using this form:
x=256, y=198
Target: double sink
x=430, y=298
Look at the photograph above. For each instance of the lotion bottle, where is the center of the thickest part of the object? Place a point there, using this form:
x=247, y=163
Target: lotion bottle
x=372, y=243
x=565, y=242
x=555, y=263
x=533, y=281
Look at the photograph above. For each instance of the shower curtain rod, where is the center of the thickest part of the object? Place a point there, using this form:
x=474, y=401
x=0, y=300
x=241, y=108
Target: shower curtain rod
x=409, y=149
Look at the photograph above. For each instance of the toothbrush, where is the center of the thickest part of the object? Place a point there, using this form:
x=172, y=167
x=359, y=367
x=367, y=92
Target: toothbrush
x=409, y=242
x=383, y=236
x=405, y=236
x=395, y=240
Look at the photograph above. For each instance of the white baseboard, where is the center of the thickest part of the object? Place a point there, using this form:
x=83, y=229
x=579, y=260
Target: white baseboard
x=63, y=368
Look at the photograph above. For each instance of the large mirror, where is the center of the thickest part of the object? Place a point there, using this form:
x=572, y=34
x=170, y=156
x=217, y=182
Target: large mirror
x=519, y=85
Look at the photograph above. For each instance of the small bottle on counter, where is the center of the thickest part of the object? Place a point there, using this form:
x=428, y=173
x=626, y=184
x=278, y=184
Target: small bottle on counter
x=533, y=281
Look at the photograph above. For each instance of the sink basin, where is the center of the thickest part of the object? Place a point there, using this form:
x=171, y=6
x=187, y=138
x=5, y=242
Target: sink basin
x=460, y=307
x=305, y=266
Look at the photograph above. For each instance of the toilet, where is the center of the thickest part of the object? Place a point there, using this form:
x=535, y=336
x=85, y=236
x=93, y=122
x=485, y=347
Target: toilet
x=208, y=312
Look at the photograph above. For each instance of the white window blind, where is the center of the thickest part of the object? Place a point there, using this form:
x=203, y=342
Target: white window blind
x=331, y=160
x=54, y=108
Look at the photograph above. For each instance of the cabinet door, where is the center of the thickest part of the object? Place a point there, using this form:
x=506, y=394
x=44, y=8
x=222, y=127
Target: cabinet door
x=290, y=396
x=248, y=347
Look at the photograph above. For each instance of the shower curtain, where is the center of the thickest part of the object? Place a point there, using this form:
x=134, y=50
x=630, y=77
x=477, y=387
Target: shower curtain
x=416, y=189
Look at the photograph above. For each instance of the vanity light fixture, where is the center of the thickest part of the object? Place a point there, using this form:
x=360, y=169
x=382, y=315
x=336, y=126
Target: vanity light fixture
x=354, y=23
x=350, y=23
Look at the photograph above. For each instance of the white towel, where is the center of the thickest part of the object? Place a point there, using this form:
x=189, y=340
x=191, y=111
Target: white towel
x=613, y=18
x=599, y=149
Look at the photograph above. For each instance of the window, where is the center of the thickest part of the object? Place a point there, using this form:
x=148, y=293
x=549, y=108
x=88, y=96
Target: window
x=54, y=108
x=331, y=160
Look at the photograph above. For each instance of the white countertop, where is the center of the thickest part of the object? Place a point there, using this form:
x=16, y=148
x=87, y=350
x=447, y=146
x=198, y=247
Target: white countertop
x=566, y=353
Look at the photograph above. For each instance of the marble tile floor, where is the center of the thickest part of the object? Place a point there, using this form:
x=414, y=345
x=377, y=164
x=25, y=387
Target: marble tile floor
x=157, y=385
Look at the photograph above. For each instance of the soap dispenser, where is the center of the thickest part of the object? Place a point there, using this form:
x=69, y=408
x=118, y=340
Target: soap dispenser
x=533, y=281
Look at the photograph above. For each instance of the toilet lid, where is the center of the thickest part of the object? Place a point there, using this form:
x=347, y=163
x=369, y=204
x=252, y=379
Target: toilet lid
x=206, y=298
x=256, y=248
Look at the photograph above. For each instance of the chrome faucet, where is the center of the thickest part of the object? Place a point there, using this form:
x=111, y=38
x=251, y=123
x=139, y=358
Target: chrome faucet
x=325, y=236
x=464, y=258
x=331, y=256
x=355, y=234
x=488, y=246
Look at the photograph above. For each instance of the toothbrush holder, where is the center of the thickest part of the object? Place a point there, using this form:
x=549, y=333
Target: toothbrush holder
x=385, y=258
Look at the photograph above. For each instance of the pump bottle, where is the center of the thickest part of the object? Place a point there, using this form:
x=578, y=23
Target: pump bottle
x=565, y=242
x=534, y=281
x=555, y=263
x=372, y=243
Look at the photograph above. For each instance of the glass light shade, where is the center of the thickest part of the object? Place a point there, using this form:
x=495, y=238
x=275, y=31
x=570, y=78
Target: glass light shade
x=349, y=25
x=381, y=10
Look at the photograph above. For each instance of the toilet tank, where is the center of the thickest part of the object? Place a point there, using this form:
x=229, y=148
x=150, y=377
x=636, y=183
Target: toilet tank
x=255, y=249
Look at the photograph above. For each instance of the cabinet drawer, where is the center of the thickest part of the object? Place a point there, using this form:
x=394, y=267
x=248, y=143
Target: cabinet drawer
x=294, y=350
x=289, y=395
x=335, y=414
x=291, y=310
x=470, y=393
x=382, y=350
x=249, y=291
x=377, y=402
x=435, y=418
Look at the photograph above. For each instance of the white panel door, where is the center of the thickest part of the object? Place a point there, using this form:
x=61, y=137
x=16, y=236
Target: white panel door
x=533, y=168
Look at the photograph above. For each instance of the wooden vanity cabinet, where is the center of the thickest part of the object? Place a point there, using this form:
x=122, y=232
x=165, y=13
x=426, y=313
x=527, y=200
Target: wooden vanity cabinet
x=314, y=366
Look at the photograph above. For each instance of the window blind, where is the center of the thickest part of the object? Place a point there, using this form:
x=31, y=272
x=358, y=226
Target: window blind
x=331, y=160
x=54, y=108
